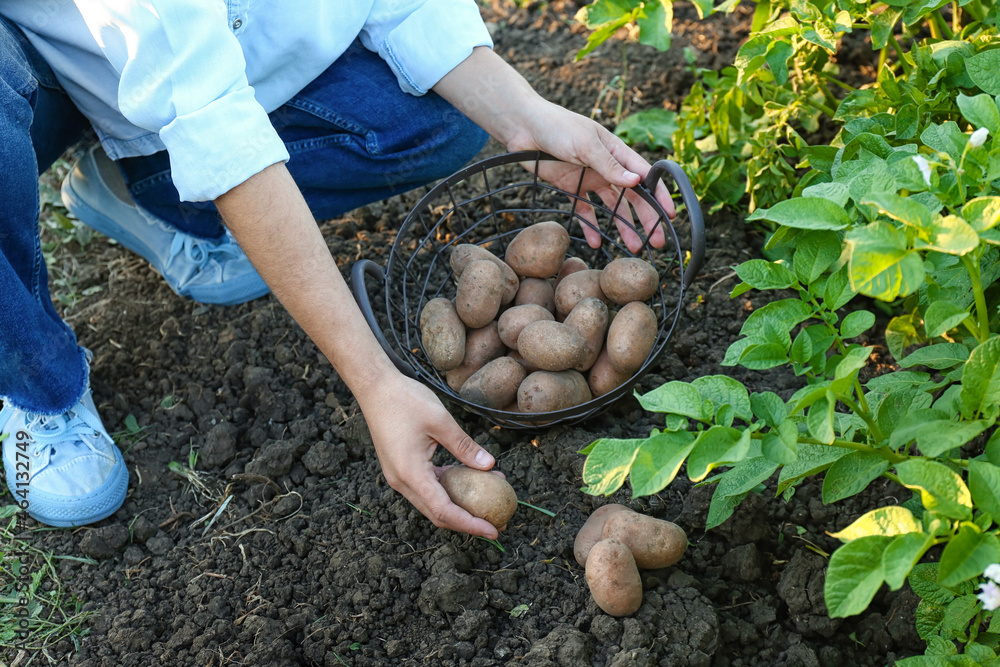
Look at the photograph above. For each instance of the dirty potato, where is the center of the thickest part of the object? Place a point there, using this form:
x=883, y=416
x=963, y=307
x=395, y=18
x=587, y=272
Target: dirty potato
x=495, y=384
x=631, y=337
x=576, y=287
x=480, y=290
x=545, y=391
x=613, y=578
x=629, y=279
x=538, y=292
x=513, y=320
x=604, y=377
x=442, y=334
x=480, y=493
x=481, y=346
x=466, y=253
x=571, y=265
x=590, y=318
x=654, y=543
x=590, y=533
x=551, y=346
x=538, y=251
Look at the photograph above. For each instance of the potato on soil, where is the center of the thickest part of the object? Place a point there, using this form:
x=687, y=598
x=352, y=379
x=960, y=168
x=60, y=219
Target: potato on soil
x=538, y=251
x=545, y=391
x=538, y=292
x=629, y=279
x=614, y=578
x=480, y=493
x=654, y=543
x=590, y=318
x=481, y=346
x=551, y=346
x=495, y=384
x=603, y=377
x=631, y=337
x=513, y=320
x=466, y=253
x=575, y=288
x=590, y=533
x=571, y=265
x=479, y=292
x=442, y=334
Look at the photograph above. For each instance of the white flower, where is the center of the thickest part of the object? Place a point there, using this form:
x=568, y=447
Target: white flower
x=990, y=596
x=993, y=572
x=978, y=138
x=924, y=167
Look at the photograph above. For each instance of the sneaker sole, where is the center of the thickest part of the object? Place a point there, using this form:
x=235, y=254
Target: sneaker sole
x=224, y=294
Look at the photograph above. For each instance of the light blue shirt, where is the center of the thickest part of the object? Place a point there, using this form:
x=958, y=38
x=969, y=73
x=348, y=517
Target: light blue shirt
x=198, y=77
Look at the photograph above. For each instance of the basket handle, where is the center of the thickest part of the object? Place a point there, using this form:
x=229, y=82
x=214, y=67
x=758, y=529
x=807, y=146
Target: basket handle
x=690, y=200
x=359, y=273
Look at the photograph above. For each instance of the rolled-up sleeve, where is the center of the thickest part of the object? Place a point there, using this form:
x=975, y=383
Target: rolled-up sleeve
x=422, y=40
x=183, y=76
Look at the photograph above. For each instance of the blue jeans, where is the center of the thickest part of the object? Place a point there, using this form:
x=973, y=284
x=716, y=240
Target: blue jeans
x=354, y=137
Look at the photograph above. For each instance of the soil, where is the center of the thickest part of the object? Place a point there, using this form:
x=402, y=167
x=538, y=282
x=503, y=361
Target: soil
x=316, y=561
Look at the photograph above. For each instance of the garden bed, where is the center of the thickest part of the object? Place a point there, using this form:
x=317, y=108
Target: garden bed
x=316, y=561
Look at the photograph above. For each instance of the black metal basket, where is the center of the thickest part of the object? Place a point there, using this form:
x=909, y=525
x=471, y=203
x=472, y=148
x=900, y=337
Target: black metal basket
x=488, y=203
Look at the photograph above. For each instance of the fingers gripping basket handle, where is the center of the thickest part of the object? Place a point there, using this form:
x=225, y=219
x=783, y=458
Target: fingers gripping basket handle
x=359, y=273
x=693, y=208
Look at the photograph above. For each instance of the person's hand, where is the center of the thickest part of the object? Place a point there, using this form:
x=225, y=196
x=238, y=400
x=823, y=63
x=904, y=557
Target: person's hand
x=613, y=166
x=407, y=423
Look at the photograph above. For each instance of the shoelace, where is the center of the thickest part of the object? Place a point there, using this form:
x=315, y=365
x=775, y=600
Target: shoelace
x=200, y=251
x=73, y=425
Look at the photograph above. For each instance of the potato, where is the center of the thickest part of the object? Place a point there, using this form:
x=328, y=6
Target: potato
x=494, y=385
x=629, y=279
x=631, y=337
x=480, y=290
x=481, y=345
x=442, y=334
x=604, y=377
x=513, y=321
x=551, y=346
x=466, y=253
x=516, y=356
x=538, y=251
x=590, y=533
x=536, y=291
x=654, y=543
x=480, y=493
x=576, y=287
x=545, y=391
x=590, y=318
x=613, y=578
x=571, y=265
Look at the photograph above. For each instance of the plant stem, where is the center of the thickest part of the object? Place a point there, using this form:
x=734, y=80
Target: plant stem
x=884, y=452
x=873, y=428
x=972, y=266
x=819, y=106
x=893, y=478
x=834, y=80
x=899, y=54
x=942, y=25
x=976, y=9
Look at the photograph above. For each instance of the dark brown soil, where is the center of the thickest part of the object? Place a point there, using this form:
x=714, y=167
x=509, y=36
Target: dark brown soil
x=316, y=561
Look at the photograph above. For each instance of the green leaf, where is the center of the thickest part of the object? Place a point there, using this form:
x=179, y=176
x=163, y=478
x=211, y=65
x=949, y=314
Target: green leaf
x=982, y=213
x=935, y=431
x=802, y=349
x=761, y=274
x=902, y=554
x=721, y=508
x=897, y=404
x=984, y=485
x=950, y=234
x=804, y=213
x=854, y=575
x=777, y=449
x=838, y=291
x=770, y=408
x=764, y=356
x=897, y=379
x=939, y=356
x=957, y=615
x=655, y=24
x=945, y=138
x=853, y=361
x=967, y=555
x=777, y=56
x=882, y=26
x=820, y=420
x=734, y=485
x=608, y=465
x=907, y=211
x=780, y=315
x=814, y=253
x=924, y=582
x=851, y=475
x=885, y=521
x=941, y=489
x=656, y=463
x=857, y=323
x=928, y=617
x=835, y=192
x=812, y=459
x=653, y=127
x=941, y=317
x=980, y=111
x=724, y=390
x=675, y=397
x=881, y=266
x=981, y=377
x=717, y=446
x=984, y=70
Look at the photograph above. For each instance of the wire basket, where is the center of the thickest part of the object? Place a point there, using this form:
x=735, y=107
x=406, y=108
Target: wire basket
x=487, y=204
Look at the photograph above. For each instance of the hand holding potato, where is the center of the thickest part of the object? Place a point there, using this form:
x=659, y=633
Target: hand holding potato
x=407, y=422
